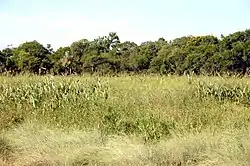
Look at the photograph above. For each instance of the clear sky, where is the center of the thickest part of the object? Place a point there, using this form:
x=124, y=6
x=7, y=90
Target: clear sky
x=60, y=22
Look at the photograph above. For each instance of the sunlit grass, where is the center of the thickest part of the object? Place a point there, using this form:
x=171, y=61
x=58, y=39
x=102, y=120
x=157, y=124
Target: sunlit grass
x=124, y=120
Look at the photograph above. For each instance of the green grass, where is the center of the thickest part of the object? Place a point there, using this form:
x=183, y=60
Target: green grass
x=125, y=120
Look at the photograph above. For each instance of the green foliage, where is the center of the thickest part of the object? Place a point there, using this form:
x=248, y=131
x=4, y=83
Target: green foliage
x=6, y=60
x=32, y=57
x=2, y=61
x=233, y=92
x=196, y=54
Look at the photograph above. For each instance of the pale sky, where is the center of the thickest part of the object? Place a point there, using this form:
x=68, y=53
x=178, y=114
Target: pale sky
x=61, y=22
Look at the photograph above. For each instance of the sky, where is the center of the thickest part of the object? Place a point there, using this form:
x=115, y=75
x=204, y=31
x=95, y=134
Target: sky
x=61, y=22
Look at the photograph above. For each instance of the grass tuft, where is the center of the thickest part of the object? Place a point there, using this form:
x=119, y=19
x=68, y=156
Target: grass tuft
x=126, y=120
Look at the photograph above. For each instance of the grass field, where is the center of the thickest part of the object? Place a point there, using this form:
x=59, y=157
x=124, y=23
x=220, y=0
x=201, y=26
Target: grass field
x=125, y=120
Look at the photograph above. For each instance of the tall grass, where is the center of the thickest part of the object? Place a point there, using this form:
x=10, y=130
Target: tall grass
x=125, y=120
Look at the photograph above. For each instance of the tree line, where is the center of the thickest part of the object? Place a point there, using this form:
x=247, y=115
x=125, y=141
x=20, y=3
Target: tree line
x=208, y=55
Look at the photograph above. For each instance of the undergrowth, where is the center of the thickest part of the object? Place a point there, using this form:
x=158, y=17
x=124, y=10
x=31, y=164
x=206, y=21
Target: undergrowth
x=101, y=120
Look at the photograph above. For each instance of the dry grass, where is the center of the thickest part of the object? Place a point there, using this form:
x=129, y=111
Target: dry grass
x=34, y=144
x=127, y=120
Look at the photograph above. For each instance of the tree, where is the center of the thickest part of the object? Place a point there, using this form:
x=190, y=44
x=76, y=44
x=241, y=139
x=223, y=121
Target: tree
x=79, y=48
x=32, y=57
x=146, y=52
x=2, y=62
x=199, y=54
x=123, y=53
x=57, y=60
x=159, y=63
x=7, y=60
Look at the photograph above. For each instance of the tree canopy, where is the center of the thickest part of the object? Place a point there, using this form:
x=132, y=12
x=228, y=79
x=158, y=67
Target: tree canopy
x=197, y=54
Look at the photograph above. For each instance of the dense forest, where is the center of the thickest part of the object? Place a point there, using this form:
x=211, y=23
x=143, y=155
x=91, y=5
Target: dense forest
x=207, y=55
